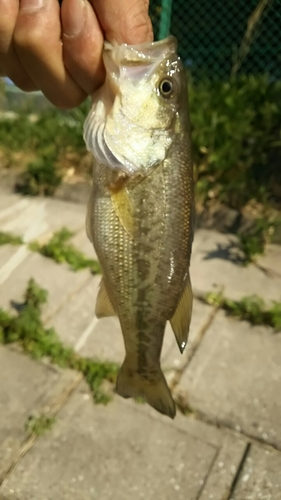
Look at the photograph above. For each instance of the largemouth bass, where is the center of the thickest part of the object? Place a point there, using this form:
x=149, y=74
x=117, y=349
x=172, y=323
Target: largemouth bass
x=141, y=211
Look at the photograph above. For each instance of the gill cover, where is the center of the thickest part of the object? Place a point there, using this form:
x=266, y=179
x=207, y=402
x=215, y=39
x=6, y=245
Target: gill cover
x=130, y=126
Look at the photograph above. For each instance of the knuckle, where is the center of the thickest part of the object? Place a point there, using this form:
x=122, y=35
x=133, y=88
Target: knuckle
x=27, y=40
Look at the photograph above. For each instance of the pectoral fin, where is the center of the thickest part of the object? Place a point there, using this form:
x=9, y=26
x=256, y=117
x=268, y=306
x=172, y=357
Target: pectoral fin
x=104, y=307
x=124, y=209
x=181, y=319
x=89, y=218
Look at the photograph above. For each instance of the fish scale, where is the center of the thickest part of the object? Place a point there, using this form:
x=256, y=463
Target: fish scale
x=141, y=225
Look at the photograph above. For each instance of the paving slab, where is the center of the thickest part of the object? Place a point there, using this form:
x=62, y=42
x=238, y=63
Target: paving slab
x=60, y=282
x=6, y=252
x=103, y=340
x=10, y=259
x=190, y=424
x=61, y=213
x=8, y=202
x=260, y=476
x=6, y=197
x=114, y=451
x=32, y=217
x=270, y=261
x=25, y=218
x=11, y=204
x=214, y=265
x=77, y=326
x=81, y=241
x=75, y=321
x=235, y=378
x=219, y=482
x=27, y=386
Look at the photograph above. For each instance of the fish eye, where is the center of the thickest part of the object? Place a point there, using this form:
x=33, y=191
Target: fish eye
x=167, y=87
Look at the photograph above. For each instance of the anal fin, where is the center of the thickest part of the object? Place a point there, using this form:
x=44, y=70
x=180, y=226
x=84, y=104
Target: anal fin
x=180, y=321
x=104, y=307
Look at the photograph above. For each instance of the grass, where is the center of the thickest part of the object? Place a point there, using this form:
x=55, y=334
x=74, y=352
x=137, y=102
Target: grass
x=60, y=250
x=27, y=329
x=10, y=239
x=253, y=242
x=41, y=177
x=39, y=425
x=43, y=147
x=251, y=308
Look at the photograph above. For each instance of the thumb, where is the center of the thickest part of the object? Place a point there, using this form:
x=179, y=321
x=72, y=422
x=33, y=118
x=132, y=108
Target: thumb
x=124, y=21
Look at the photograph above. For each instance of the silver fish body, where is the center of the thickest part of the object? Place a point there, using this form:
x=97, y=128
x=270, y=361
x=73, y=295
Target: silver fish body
x=141, y=212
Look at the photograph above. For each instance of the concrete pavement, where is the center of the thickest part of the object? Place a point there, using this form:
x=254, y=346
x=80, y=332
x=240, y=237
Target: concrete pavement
x=227, y=447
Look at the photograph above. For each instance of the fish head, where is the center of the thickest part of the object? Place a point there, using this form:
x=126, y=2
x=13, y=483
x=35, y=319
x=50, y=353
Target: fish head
x=132, y=123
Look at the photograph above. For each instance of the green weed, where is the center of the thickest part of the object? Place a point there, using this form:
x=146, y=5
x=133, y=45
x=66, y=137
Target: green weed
x=251, y=308
x=253, y=242
x=39, y=425
x=41, y=176
x=139, y=400
x=29, y=332
x=10, y=239
x=237, y=139
x=60, y=250
x=50, y=137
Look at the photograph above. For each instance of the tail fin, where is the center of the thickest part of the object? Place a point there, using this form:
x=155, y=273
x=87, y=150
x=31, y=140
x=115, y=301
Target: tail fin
x=131, y=384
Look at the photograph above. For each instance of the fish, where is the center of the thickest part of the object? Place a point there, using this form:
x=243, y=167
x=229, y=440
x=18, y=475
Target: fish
x=140, y=215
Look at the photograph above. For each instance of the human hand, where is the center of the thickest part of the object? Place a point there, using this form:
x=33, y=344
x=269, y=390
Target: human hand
x=58, y=50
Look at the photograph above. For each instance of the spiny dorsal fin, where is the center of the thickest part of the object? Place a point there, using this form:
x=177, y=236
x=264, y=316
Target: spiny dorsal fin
x=104, y=308
x=180, y=321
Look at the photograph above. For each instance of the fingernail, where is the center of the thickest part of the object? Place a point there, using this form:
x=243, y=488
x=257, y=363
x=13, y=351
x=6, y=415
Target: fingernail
x=75, y=18
x=31, y=4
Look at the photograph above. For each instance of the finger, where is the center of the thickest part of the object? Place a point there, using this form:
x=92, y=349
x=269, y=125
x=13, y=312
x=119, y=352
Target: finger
x=82, y=44
x=38, y=44
x=124, y=21
x=10, y=64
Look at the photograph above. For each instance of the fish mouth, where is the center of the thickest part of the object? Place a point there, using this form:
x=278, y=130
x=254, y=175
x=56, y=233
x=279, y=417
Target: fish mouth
x=136, y=59
x=141, y=54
